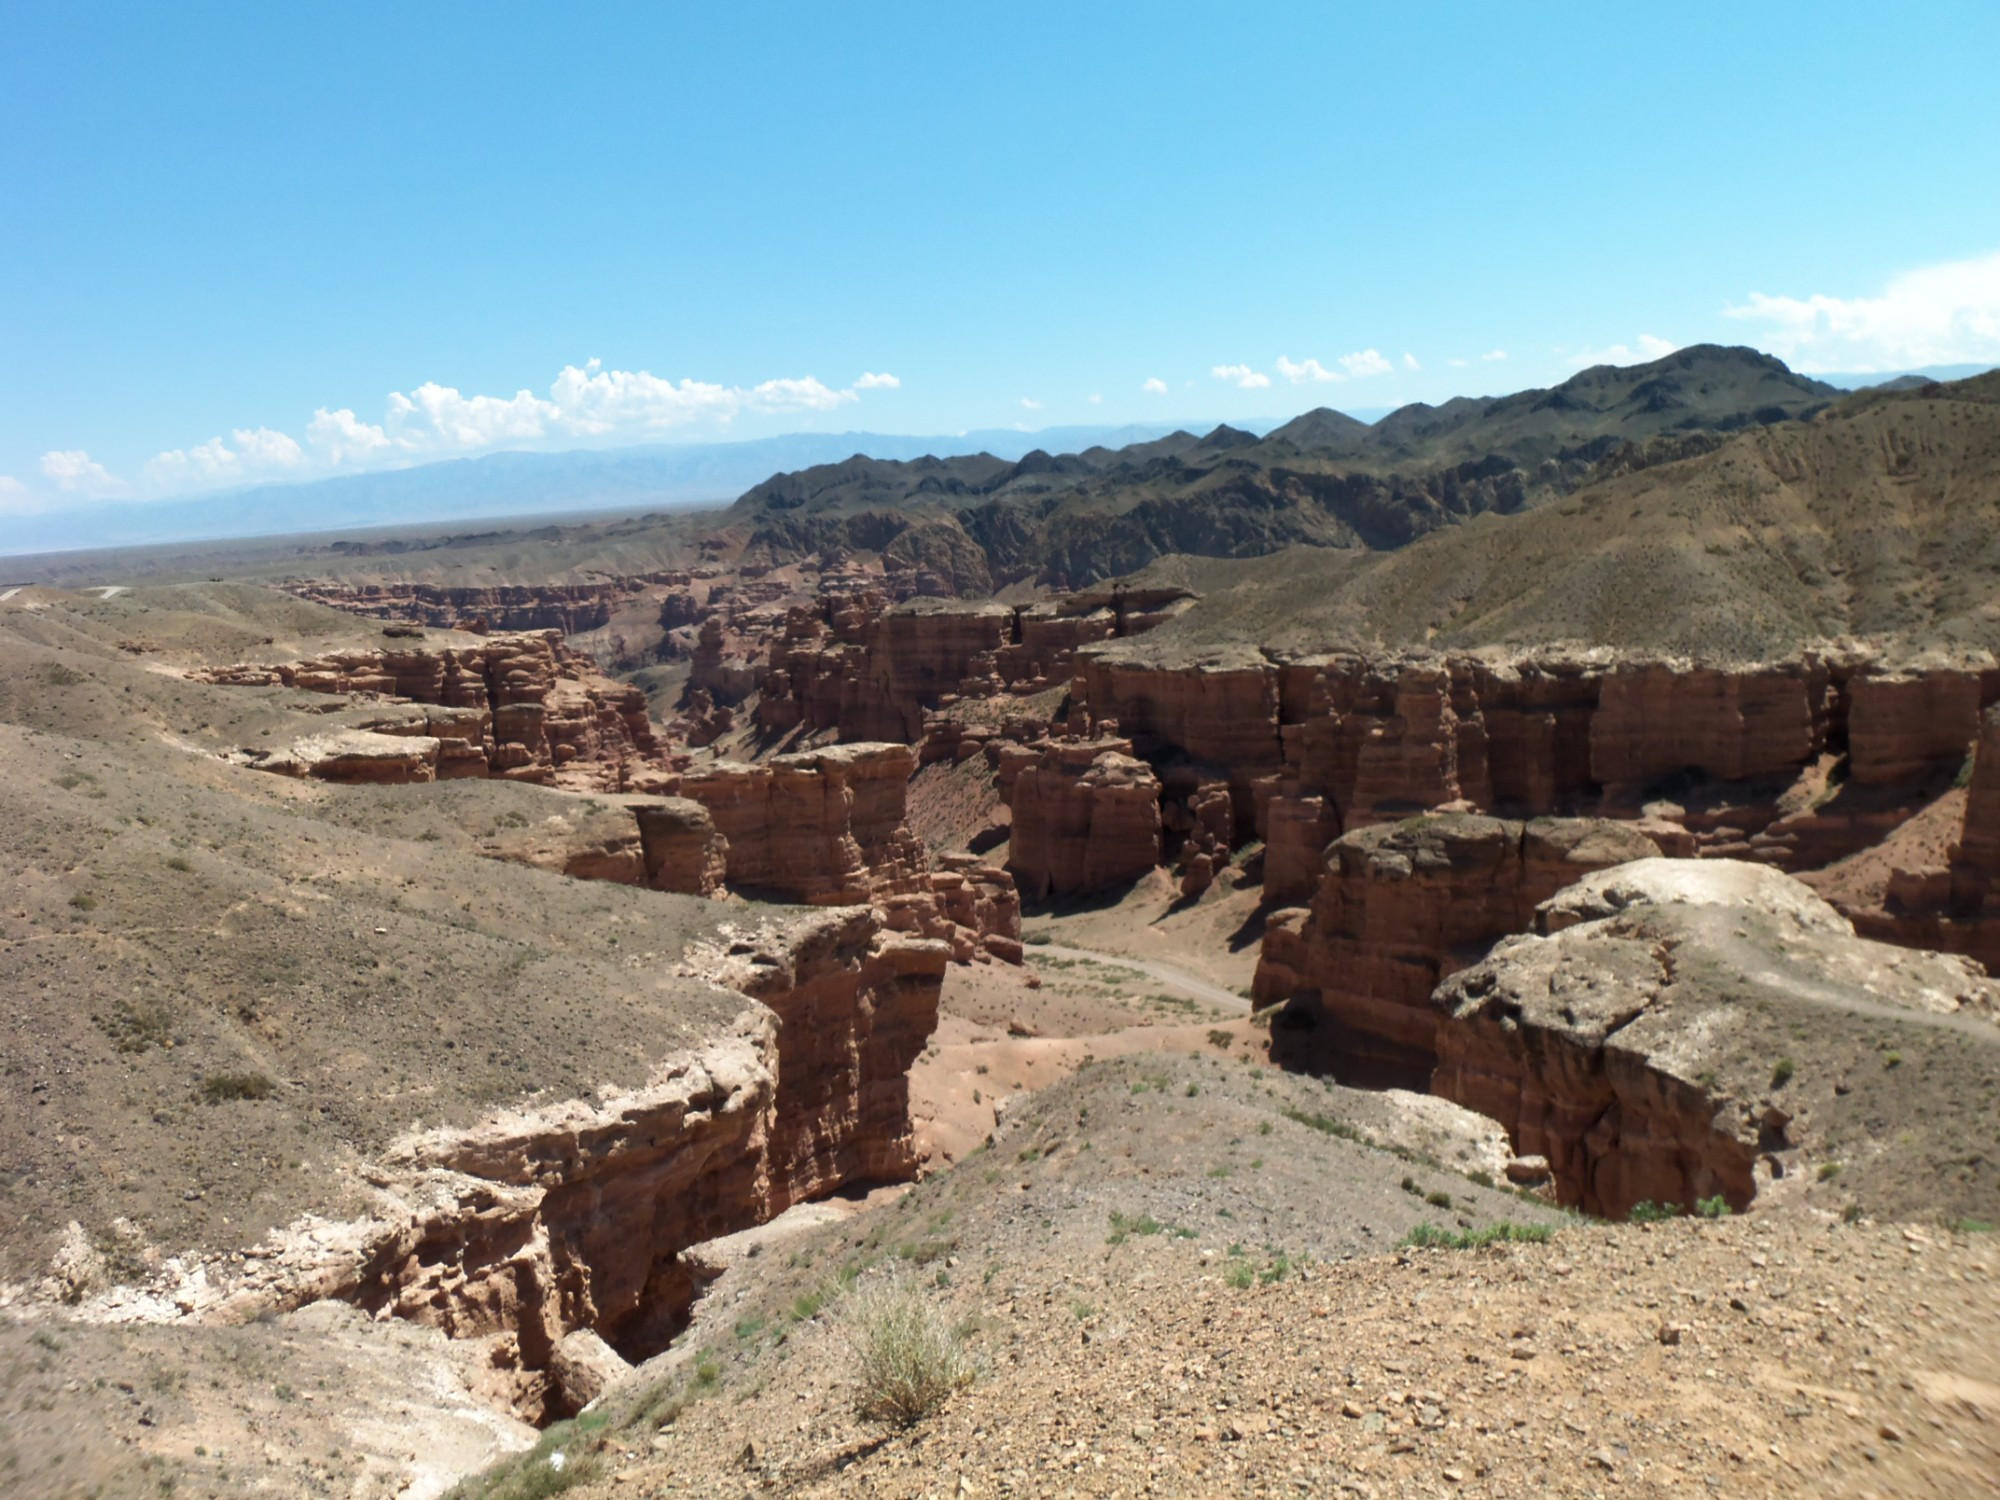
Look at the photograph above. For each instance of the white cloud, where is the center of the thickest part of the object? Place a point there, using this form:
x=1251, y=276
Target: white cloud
x=796, y=395
x=1646, y=349
x=1155, y=387
x=259, y=453
x=1356, y=366
x=1096, y=398
x=14, y=497
x=1410, y=361
x=341, y=436
x=1242, y=377
x=1031, y=403
x=1935, y=315
x=1492, y=354
x=1311, y=369
x=1458, y=364
x=9, y=485
x=436, y=421
x=77, y=473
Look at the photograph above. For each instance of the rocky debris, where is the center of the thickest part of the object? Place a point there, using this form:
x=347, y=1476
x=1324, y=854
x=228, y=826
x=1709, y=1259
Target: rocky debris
x=1404, y=905
x=1516, y=1370
x=1085, y=817
x=830, y=827
x=524, y=707
x=1612, y=1047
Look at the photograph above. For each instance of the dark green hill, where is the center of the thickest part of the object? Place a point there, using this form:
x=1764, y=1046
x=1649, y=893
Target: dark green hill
x=1323, y=479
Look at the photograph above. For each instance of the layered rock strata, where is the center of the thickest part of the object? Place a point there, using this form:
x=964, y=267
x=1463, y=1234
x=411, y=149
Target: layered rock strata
x=831, y=827
x=868, y=670
x=523, y=707
x=1793, y=763
x=1402, y=906
x=1085, y=817
x=1626, y=1046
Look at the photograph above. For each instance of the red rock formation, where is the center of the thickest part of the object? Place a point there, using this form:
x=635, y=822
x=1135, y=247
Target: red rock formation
x=1404, y=905
x=870, y=671
x=1085, y=817
x=571, y=608
x=830, y=827
x=1903, y=726
x=1219, y=705
x=523, y=707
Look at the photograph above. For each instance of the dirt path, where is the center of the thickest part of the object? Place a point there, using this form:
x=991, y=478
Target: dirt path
x=1177, y=980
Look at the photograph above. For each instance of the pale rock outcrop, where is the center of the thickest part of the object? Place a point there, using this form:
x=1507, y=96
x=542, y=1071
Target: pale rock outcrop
x=1611, y=1048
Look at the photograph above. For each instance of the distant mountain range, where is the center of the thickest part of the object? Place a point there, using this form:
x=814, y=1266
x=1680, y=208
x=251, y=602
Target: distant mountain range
x=972, y=523
x=662, y=476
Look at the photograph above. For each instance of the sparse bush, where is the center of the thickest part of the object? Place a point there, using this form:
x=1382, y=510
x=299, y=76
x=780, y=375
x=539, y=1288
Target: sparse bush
x=1828, y=1170
x=1712, y=1208
x=219, y=1088
x=1782, y=1071
x=179, y=864
x=83, y=901
x=1036, y=939
x=58, y=675
x=1324, y=1124
x=1507, y=1231
x=908, y=1356
x=1646, y=1211
x=1217, y=1037
x=1893, y=1060
x=1438, y=1200
x=1240, y=1275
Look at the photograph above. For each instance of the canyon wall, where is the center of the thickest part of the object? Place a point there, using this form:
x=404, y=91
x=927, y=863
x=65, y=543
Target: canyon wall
x=830, y=827
x=1086, y=817
x=1402, y=906
x=1793, y=763
x=869, y=670
x=537, y=1226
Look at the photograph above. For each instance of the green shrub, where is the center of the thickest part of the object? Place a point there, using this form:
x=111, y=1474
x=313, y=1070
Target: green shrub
x=1646, y=1211
x=1712, y=1208
x=1430, y=1237
x=1782, y=1071
x=219, y=1088
x=908, y=1356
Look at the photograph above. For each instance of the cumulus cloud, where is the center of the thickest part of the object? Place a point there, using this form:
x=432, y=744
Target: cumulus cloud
x=1030, y=403
x=1154, y=387
x=1492, y=354
x=1646, y=349
x=77, y=473
x=1354, y=366
x=260, y=452
x=342, y=436
x=433, y=420
x=1410, y=361
x=1935, y=315
x=1242, y=377
x=1305, y=370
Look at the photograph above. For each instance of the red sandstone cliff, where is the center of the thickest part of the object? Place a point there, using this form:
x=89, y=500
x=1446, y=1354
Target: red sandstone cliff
x=1402, y=906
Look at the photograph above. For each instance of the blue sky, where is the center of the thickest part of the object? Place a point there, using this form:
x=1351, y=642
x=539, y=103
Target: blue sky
x=244, y=242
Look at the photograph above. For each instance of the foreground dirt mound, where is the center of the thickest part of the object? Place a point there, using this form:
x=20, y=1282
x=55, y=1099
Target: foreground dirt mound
x=1741, y=1358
